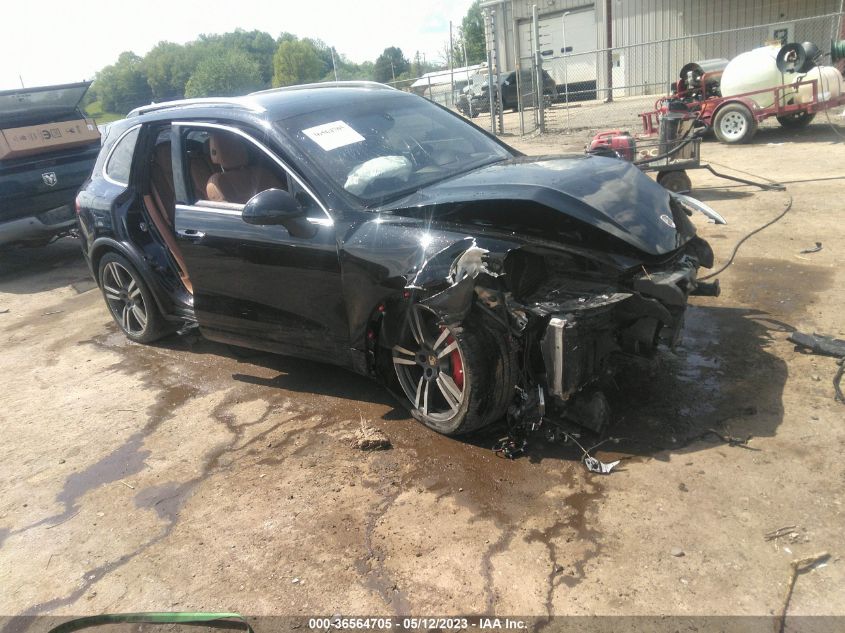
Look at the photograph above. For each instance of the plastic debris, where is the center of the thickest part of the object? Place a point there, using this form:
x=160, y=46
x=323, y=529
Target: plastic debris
x=596, y=466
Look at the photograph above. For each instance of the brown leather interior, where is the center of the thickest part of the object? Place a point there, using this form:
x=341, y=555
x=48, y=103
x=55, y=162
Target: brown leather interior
x=200, y=167
x=157, y=216
x=161, y=181
x=238, y=181
x=161, y=205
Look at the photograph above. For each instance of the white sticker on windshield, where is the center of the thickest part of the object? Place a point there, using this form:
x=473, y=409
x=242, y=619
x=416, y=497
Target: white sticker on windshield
x=332, y=135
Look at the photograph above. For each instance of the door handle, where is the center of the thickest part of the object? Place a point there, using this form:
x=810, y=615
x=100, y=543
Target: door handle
x=190, y=234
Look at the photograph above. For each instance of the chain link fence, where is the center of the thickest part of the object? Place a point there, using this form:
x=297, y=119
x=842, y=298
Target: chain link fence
x=599, y=89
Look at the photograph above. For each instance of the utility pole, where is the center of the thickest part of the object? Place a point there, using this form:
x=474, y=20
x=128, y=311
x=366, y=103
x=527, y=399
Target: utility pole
x=393, y=71
x=21, y=78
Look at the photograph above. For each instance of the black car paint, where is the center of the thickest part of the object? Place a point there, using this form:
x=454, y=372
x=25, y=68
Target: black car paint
x=606, y=194
x=323, y=297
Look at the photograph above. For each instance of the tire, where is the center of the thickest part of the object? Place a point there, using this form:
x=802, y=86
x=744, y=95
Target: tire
x=796, y=121
x=676, y=181
x=734, y=124
x=130, y=301
x=459, y=379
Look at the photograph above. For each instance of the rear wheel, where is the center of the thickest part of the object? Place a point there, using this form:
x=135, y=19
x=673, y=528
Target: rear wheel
x=129, y=300
x=735, y=124
x=797, y=120
x=455, y=379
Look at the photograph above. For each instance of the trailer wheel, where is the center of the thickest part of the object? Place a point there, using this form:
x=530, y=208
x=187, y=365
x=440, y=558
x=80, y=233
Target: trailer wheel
x=735, y=124
x=675, y=181
x=797, y=120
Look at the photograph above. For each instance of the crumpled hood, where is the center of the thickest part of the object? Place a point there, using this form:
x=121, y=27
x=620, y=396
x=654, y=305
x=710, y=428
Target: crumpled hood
x=605, y=193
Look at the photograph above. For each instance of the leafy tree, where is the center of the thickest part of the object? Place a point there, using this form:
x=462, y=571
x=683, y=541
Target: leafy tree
x=258, y=45
x=123, y=85
x=472, y=34
x=168, y=67
x=228, y=75
x=390, y=64
x=297, y=62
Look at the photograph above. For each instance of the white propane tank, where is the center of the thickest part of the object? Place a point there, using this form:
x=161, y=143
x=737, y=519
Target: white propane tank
x=755, y=70
x=829, y=84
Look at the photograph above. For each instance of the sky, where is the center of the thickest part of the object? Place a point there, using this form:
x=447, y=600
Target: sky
x=61, y=41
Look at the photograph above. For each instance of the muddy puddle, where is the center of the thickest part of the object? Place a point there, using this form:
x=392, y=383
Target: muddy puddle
x=783, y=288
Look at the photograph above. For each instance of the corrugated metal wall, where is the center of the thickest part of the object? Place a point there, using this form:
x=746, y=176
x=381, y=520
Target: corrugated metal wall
x=638, y=26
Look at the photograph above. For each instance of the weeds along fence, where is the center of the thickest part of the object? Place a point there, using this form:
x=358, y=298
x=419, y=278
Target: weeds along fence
x=579, y=95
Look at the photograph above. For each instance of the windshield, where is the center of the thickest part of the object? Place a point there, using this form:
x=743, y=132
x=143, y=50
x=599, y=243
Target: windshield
x=384, y=148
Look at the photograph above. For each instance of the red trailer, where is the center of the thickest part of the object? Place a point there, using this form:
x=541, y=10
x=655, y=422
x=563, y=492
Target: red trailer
x=734, y=119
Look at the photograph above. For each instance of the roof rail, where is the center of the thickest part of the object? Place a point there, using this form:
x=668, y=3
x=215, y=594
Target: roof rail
x=328, y=84
x=204, y=101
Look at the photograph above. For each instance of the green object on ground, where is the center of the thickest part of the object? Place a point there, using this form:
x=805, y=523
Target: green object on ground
x=216, y=620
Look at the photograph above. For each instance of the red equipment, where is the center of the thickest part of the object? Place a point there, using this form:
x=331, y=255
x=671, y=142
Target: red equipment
x=614, y=142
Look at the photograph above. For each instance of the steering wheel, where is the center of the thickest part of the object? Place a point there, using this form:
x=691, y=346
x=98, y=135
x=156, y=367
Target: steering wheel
x=416, y=153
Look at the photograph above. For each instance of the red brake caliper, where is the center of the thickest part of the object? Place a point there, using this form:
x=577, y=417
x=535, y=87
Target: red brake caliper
x=457, y=364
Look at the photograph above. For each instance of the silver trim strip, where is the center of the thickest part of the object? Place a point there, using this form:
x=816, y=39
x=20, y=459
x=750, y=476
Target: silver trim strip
x=238, y=211
x=268, y=152
x=108, y=178
x=207, y=209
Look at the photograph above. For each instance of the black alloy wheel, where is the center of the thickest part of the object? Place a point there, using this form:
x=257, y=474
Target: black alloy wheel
x=456, y=378
x=129, y=300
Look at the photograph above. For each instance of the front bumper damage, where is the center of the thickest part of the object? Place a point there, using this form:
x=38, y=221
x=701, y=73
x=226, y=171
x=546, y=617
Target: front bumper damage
x=570, y=332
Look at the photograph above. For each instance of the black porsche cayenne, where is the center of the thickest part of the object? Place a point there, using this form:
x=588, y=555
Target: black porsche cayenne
x=369, y=228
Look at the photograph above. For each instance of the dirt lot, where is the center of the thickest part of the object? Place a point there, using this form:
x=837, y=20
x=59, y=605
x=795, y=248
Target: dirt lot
x=189, y=475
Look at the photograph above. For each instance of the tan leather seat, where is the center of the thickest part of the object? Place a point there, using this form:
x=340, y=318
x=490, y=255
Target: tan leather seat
x=200, y=168
x=238, y=181
x=161, y=180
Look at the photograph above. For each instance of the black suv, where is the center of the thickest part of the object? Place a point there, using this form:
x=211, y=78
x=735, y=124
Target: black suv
x=474, y=99
x=370, y=228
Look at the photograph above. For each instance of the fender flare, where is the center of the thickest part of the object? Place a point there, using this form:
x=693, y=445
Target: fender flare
x=752, y=106
x=103, y=245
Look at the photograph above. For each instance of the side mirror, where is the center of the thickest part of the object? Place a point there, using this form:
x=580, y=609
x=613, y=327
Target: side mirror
x=277, y=207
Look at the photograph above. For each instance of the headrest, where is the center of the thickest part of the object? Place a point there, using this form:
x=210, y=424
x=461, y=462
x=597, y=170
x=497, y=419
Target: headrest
x=227, y=150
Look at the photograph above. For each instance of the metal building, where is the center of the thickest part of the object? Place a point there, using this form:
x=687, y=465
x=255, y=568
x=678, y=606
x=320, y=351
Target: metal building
x=649, y=39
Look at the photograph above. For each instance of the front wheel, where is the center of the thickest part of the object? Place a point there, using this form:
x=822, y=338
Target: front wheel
x=735, y=124
x=129, y=300
x=456, y=379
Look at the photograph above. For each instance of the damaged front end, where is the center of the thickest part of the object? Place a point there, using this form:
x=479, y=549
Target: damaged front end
x=572, y=317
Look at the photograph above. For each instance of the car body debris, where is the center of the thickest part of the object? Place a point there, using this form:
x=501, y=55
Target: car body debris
x=596, y=466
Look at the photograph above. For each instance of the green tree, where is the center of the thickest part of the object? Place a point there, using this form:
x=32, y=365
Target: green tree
x=123, y=85
x=168, y=67
x=297, y=62
x=258, y=45
x=230, y=74
x=472, y=34
x=390, y=64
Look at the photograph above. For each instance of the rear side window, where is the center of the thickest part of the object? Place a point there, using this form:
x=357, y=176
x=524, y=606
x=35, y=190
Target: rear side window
x=120, y=160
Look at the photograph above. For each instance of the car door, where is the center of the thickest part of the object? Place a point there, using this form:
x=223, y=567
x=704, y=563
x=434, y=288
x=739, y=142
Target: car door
x=257, y=286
